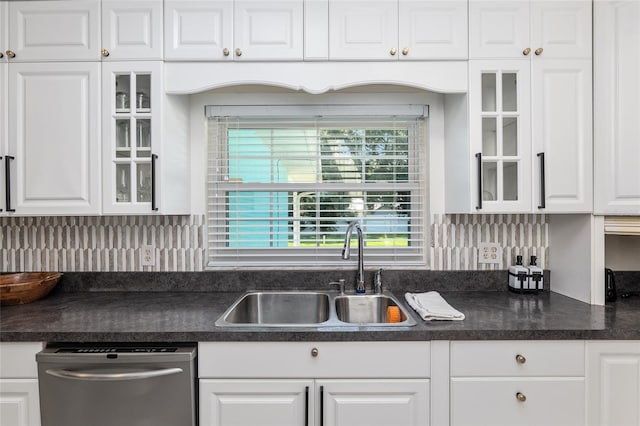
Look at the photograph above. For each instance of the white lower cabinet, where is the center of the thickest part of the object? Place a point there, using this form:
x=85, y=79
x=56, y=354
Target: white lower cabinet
x=255, y=402
x=373, y=402
x=517, y=383
x=323, y=384
x=613, y=383
x=19, y=399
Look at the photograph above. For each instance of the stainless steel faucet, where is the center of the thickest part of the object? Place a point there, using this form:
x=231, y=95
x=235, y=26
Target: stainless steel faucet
x=346, y=253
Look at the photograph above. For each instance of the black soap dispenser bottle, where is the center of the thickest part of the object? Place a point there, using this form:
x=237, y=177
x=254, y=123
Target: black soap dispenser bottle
x=518, y=276
x=536, y=276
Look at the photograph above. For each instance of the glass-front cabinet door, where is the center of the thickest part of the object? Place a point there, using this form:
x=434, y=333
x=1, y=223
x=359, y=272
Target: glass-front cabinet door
x=131, y=136
x=500, y=128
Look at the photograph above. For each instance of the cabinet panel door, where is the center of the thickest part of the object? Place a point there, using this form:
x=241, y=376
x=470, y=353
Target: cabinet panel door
x=50, y=31
x=613, y=377
x=256, y=402
x=19, y=402
x=268, y=30
x=132, y=29
x=617, y=107
x=363, y=30
x=561, y=122
x=561, y=28
x=3, y=130
x=373, y=402
x=198, y=30
x=543, y=401
x=54, y=135
x=498, y=29
x=432, y=29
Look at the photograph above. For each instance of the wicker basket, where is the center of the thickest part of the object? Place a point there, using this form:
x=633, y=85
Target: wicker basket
x=16, y=289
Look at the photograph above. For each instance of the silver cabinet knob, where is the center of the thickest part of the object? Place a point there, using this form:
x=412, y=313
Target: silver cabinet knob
x=521, y=397
x=405, y=51
x=393, y=51
x=539, y=51
x=526, y=51
x=225, y=51
x=10, y=53
x=104, y=52
x=314, y=352
x=520, y=359
x=1, y=55
x=238, y=52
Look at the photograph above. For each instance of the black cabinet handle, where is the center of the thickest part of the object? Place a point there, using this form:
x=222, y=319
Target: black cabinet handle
x=306, y=406
x=479, y=160
x=543, y=197
x=154, y=207
x=7, y=182
x=321, y=405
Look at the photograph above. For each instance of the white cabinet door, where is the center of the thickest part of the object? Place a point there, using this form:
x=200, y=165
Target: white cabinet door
x=617, y=107
x=373, y=402
x=131, y=29
x=268, y=30
x=19, y=402
x=518, y=401
x=613, y=383
x=500, y=132
x=498, y=29
x=561, y=29
x=198, y=30
x=4, y=29
x=562, y=134
x=54, y=137
x=432, y=29
x=256, y=402
x=3, y=131
x=360, y=30
x=131, y=141
x=52, y=31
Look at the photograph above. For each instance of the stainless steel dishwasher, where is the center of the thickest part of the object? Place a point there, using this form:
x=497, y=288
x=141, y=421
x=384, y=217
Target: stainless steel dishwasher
x=117, y=385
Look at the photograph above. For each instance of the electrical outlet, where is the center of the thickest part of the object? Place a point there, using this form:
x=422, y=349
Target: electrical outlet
x=489, y=253
x=147, y=256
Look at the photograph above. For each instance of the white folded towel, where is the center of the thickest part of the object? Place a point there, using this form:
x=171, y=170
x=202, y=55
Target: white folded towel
x=431, y=306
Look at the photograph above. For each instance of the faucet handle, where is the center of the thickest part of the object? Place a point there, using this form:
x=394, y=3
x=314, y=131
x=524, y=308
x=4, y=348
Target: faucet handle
x=340, y=284
x=377, y=281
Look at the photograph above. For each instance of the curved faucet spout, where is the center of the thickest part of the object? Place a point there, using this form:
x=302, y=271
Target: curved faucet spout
x=346, y=253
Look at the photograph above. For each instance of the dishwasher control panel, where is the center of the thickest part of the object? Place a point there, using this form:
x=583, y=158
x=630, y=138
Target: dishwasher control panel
x=107, y=350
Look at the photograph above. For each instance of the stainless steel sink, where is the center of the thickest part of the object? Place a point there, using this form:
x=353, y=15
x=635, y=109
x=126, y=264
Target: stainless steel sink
x=278, y=308
x=311, y=309
x=369, y=310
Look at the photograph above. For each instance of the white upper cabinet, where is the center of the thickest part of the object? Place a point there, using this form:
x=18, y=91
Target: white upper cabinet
x=131, y=30
x=198, y=30
x=3, y=101
x=268, y=30
x=239, y=31
x=513, y=29
x=397, y=30
x=54, y=138
x=617, y=107
x=54, y=31
x=562, y=135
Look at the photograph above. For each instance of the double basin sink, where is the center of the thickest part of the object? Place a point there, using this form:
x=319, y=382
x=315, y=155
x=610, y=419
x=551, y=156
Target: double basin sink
x=315, y=309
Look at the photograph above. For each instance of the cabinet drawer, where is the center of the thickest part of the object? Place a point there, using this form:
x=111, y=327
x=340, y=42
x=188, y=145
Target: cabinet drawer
x=543, y=401
x=296, y=359
x=517, y=358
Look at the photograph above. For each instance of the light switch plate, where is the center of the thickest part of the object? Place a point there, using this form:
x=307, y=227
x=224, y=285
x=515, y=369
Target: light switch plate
x=490, y=253
x=147, y=256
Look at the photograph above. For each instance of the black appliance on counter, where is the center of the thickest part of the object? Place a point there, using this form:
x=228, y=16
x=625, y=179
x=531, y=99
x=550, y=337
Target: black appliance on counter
x=609, y=286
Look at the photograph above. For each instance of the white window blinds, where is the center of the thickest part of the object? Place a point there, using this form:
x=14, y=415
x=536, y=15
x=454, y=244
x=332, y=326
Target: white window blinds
x=281, y=190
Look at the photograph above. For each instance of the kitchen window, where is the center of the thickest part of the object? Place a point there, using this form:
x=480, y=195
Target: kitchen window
x=284, y=183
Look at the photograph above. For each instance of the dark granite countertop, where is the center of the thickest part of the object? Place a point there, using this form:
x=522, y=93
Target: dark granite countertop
x=189, y=316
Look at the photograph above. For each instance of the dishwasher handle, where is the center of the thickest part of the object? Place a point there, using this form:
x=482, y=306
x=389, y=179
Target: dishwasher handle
x=104, y=377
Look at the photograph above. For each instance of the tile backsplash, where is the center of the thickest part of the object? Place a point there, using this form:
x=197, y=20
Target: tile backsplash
x=113, y=243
